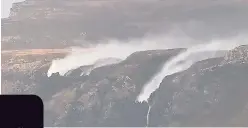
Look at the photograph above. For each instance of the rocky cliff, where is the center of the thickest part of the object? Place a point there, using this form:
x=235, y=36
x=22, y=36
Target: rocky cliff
x=212, y=92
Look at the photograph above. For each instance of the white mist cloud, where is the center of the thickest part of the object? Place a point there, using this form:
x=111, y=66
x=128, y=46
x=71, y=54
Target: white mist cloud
x=114, y=49
x=185, y=59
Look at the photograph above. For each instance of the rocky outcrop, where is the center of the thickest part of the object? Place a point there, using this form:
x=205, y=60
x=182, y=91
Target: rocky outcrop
x=210, y=93
x=239, y=54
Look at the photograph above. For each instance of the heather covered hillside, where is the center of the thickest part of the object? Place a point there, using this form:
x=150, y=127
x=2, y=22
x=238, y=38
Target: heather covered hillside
x=210, y=93
x=92, y=61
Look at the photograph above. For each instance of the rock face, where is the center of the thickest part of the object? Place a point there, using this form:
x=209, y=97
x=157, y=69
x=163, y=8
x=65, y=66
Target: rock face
x=212, y=92
x=238, y=54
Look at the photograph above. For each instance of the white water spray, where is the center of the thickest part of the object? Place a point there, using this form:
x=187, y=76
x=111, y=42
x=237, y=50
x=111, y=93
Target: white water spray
x=150, y=104
x=121, y=50
x=185, y=59
x=112, y=49
x=148, y=115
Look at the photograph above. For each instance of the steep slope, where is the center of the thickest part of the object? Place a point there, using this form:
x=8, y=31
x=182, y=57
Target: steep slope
x=210, y=93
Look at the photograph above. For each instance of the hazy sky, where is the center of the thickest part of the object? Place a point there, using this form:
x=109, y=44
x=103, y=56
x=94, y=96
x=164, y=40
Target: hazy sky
x=60, y=23
x=5, y=7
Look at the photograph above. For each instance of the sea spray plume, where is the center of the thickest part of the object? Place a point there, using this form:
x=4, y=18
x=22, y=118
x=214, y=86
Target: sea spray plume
x=113, y=49
x=185, y=59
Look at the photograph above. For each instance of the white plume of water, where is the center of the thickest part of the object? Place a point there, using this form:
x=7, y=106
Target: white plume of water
x=112, y=49
x=119, y=50
x=185, y=59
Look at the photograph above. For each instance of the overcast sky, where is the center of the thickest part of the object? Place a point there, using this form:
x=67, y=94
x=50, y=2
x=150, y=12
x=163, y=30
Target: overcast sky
x=5, y=7
x=55, y=21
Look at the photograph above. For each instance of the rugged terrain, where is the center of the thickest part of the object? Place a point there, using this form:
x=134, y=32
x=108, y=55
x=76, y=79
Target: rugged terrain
x=212, y=92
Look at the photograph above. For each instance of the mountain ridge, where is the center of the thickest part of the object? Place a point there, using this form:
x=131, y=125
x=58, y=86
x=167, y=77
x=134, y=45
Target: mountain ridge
x=107, y=96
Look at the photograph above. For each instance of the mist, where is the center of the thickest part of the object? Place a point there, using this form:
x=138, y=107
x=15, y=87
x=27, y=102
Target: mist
x=106, y=51
x=112, y=51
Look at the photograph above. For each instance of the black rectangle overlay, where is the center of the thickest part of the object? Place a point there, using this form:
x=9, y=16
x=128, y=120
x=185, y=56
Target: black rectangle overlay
x=21, y=111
